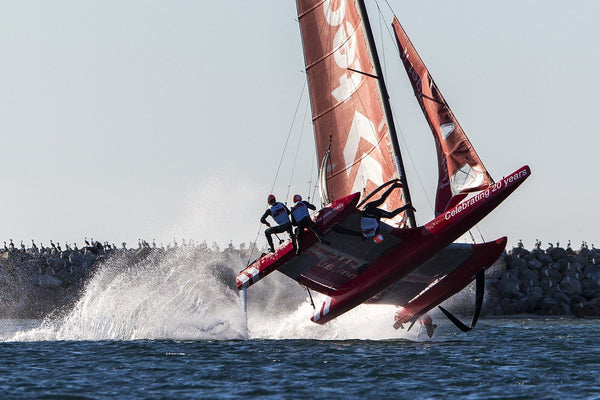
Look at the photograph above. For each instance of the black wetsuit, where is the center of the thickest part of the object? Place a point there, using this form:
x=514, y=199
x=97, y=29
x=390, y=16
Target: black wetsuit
x=372, y=212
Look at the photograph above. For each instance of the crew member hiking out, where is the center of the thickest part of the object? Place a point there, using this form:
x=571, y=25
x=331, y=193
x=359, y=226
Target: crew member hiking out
x=280, y=213
x=301, y=218
x=371, y=215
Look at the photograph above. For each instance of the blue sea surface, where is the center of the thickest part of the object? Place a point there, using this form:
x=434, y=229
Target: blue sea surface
x=500, y=359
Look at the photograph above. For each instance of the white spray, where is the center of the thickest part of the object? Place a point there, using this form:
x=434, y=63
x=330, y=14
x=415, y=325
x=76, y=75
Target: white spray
x=189, y=294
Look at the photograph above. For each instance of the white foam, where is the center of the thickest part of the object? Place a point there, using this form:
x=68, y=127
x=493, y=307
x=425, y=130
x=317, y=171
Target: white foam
x=179, y=297
x=186, y=296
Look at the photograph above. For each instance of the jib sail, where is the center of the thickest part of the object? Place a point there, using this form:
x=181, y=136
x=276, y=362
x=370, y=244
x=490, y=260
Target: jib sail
x=460, y=169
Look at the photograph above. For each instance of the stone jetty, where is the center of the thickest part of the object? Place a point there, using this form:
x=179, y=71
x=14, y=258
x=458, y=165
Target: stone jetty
x=39, y=281
x=552, y=281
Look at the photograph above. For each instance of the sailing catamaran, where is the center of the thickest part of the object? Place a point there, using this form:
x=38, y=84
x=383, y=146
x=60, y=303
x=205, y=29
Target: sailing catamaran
x=415, y=267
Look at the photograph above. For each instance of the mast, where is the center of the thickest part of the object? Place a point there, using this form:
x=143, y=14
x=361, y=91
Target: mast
x=387, y=111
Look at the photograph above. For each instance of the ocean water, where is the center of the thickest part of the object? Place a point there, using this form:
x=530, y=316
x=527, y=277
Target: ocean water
x=174, y=328
x=501, y=359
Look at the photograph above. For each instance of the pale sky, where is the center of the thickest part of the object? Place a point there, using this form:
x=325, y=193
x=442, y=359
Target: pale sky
x=161, y=119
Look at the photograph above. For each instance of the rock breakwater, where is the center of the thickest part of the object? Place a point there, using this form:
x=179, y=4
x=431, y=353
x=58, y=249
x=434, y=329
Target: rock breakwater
x=38, y=282
x=554, y=281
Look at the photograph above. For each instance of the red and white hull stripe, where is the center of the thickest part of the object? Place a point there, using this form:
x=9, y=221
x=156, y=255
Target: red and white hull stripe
x=248, y=277
x=323, y=311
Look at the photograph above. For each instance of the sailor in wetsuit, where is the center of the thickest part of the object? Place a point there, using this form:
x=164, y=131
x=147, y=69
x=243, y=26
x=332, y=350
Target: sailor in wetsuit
x=280, y=213
x=302, y=219
x=371, y=215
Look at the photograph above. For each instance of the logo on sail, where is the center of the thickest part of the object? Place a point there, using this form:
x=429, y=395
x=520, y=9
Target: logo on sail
x=344, y=51
x=344, y=48
x=447, y=130
x=368, y=166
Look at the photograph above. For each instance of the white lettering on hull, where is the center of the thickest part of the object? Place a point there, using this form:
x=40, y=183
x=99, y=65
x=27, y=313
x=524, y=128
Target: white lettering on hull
x=501, y=184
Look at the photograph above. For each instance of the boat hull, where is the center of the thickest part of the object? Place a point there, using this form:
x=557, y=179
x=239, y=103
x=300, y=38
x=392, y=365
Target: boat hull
x=418, y=245
x=482, y=257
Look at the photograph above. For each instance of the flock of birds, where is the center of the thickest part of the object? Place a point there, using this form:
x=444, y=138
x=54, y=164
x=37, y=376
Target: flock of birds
x=538, y=245
x=106, y=246
x=91, y=243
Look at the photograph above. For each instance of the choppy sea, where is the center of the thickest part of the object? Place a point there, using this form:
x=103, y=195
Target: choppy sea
x=501, y=359
x=173, y=329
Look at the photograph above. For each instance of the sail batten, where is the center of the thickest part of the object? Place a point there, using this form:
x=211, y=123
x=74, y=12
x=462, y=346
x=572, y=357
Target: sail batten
x=460, y=169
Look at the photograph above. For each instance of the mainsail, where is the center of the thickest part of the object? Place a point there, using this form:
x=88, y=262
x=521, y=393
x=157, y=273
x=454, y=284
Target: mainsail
x=352, y=132
x=460, y=169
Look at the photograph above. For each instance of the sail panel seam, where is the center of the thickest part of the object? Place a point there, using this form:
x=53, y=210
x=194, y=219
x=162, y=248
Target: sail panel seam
x=300, y=16
x=339, y=103
x=365, y=155
x=330, y=54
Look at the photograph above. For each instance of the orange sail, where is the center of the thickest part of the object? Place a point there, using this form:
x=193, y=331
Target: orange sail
x=352, y=132
x=460, y=169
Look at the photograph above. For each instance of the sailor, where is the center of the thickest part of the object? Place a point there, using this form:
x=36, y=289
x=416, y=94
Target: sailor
x=371, y=215
x=280, y=213
x=427, y=322
x=301, y=218
x=424, y=321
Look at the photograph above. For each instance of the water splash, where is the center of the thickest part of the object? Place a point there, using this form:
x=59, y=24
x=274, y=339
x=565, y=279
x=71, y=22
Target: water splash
x=178, y=295
x=189, y=294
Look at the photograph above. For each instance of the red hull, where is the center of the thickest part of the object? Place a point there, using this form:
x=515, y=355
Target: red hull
x=336, y=212
x=419, y=244
x=484, y=255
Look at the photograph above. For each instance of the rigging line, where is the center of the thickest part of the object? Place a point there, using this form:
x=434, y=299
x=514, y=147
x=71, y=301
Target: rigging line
x=253, y=247
x=288, y=137
x=390, y=7
x=310, y=51
x=314, y=189
x=381, y=24
x=388, y=26
x=467, y=141
x=398, y=128
x=400, y=132
x=388, y=118
x=412, y=161
x=297, y=148
x=469, y=145
x=480, y=234
x=316, y=50
x=365, y=155
x=472, y=237
x=478, y=231
x=317, y=179
x=311, y=176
